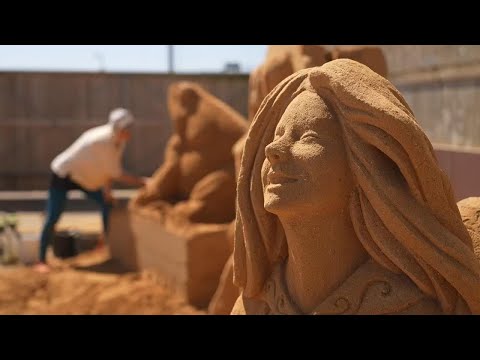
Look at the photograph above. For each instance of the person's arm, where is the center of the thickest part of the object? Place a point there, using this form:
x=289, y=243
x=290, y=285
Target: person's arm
x=132, y=180
x=107, y=192
x=163, y=184
x=118, y=174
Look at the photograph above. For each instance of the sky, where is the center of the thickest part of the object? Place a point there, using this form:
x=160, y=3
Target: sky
x=129, y=58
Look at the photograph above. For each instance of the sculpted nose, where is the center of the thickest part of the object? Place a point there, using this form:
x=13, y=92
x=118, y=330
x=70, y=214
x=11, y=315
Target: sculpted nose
x=274, y=151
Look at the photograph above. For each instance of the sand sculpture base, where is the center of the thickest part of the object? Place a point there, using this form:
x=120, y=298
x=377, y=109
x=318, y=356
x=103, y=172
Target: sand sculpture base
x=191, y=257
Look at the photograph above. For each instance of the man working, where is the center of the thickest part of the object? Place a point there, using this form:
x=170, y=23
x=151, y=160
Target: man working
x=90, y=164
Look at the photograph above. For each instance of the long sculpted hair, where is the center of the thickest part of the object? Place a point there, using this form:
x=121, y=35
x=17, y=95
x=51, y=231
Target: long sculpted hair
x=402, y=207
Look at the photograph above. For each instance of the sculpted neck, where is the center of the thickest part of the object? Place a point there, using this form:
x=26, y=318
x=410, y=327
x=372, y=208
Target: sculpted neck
x=323, y=251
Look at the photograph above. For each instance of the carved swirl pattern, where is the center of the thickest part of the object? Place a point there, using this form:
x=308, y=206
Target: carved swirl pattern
x=344, y=305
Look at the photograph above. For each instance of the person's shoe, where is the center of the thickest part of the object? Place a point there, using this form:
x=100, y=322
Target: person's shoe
x=41, y=268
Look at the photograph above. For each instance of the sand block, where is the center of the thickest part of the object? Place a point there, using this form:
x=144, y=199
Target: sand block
x=191, y=257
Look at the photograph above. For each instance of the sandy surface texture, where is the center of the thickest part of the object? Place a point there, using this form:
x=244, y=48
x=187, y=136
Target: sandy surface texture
x=88, y=284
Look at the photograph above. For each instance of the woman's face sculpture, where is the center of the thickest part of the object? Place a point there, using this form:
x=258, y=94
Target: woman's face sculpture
x=306, y=169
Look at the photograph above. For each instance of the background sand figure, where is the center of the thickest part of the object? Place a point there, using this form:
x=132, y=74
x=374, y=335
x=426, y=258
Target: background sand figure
x=371, y=56
x=402, y=207
x=178, y=224
x=196, y=181
x=283, y=60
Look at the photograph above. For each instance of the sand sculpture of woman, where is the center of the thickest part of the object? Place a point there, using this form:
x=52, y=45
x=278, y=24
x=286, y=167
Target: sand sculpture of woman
x=342, y=208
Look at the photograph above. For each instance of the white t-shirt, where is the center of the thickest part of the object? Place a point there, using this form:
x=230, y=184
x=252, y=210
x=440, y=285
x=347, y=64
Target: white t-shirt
x=92, y=160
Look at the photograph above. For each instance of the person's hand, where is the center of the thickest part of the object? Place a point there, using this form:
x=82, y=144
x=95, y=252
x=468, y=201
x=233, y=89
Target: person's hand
x=145, y=181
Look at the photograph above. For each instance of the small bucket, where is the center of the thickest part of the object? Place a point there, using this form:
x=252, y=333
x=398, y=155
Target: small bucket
x=85, y=242
x=64, y=244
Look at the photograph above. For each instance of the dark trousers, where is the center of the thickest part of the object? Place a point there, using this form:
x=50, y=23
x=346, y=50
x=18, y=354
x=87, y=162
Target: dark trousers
x=57, y=198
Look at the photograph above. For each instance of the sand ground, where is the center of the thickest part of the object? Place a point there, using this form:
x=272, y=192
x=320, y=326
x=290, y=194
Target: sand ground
x=90, y=283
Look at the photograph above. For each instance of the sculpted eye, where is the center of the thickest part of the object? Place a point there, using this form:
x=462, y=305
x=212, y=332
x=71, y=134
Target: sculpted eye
x=309, y=135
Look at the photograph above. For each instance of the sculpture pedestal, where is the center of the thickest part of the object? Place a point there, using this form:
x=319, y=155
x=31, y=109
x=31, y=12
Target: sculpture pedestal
x=191, y=257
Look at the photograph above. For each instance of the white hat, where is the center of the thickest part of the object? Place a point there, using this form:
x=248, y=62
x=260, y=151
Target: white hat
x=120, y=118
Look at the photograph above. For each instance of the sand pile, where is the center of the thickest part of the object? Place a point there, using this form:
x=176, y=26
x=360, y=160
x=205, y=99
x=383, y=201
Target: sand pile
x=80, y=286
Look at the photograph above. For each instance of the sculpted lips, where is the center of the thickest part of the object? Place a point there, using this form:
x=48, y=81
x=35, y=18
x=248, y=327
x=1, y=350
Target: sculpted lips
x=275, y=177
